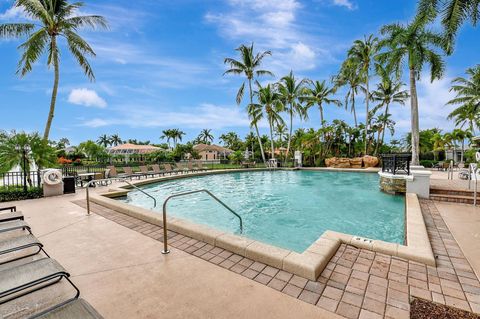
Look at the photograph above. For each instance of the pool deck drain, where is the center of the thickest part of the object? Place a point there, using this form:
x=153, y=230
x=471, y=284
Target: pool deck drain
x=356, y=283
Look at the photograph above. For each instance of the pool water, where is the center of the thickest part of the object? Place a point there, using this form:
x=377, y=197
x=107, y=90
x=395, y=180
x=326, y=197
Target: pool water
x=289, y=209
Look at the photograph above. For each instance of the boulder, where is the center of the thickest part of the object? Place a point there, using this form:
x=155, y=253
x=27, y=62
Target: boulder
x=329, y=161
x=356, y=162
x=337, y=162
x=370, y=161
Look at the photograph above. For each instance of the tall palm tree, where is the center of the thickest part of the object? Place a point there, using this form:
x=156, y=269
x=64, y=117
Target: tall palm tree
x=291, y=91
x=168, y=135
x=248, y=65
x=104, y=140
x=388, y=91
x=454, y=13
x=461, y=135
x=54, y=20
x=319, y=94
x=281, y=131
x=438, y=144
x=415, y=46
x=382, y=123
x=269, y=105
x=115, y=140
x=363, y=52
x=467, y=89
x=465, y=115
x=350, y=76
x=206, y=136
x=176, y=135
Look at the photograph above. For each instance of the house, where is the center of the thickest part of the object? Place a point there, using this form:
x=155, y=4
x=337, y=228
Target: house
x=133, y=151
x=212, y=152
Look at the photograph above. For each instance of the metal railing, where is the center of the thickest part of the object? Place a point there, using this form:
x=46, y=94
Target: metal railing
x=396, y=163
x=472, y=172
x=450, y=170
x=165, y=237
x=17, y=179
x=122, y=179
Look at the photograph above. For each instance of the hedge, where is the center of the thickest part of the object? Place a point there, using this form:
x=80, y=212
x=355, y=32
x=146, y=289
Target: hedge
x=13, y=194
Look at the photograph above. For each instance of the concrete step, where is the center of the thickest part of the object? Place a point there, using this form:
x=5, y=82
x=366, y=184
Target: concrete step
x=458, y=192
x=452, y=198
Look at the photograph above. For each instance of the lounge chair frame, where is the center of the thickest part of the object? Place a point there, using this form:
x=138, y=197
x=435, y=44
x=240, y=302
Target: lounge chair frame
x=37, y=244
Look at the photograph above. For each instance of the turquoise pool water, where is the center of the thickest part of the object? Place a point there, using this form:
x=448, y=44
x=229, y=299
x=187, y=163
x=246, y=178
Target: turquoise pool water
x=289, y=209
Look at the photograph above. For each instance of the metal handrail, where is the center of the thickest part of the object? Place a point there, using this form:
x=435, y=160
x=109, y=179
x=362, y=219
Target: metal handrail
x=472, y=170
x=450, y=170
x=165, y=238
x=122, y=179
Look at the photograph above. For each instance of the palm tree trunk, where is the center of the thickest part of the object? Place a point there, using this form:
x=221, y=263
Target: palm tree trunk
x=383, y=128
x=255, y=125
x=271, y=139
x=291, y=131
x=367, y=98
x=320, y=107
x=53, y=101
x=414, y=119
x=463, y=151
x=353, y=109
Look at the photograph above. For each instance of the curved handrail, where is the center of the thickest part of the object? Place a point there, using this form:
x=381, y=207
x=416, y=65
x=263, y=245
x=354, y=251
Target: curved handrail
x=473, y=172
x=165, y=238
x=122, y=179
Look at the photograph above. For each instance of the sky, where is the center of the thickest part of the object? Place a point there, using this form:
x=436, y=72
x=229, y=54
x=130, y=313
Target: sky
x=160, y=66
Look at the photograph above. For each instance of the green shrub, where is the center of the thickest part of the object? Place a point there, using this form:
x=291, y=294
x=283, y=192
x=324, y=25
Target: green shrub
x=428, y=163
x=12, y=194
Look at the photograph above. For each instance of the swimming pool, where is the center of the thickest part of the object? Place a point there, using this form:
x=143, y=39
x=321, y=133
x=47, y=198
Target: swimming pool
x=288, y=209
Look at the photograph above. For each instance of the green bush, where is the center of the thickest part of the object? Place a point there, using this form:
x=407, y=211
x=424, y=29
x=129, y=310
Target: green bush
x=428, y=163
x=12, y=194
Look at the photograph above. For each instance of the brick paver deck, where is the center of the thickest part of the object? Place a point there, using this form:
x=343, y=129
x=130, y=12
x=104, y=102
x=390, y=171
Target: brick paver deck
x=356, y=283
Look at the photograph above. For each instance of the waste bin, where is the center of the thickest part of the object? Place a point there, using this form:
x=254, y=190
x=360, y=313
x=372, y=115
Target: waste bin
x=69, y=185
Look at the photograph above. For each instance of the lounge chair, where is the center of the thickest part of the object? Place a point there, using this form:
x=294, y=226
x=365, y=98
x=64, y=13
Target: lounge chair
x=10, y=208
x=129, y=172
x=181, y=168
x=144, y=170
x=113, y=172
x=14, y=225
x=7, y=217
x=157, y=170
x=19, y=243
x=200, y=166
x=75, y=309
x=191, y=168
x=21, y=280
x=170, y=170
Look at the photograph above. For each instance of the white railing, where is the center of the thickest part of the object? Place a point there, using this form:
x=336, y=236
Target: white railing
x=472, y=172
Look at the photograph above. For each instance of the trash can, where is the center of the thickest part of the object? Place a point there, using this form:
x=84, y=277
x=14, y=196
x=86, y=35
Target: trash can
x=69, y=185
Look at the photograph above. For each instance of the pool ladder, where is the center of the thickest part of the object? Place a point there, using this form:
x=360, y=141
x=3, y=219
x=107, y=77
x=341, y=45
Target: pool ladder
x=165, y=237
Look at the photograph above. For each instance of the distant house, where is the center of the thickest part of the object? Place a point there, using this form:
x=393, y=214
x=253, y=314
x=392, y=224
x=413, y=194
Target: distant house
x=212, y=152
x=129, y=150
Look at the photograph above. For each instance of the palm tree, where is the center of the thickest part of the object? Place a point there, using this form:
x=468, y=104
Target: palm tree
x=382, y=123
x=291, y=92
x=438, y=144
x=231, y=140
x=281, y=131
x=206, y=136
x=64, y=141
x=115, y=140
x=461, y=135
x=176, y=135
x=467, y=89
x=363, y=53
x=413, y=45
x=465, y=115
x=319, y=94
x=351, y=77
x=388, y=91
x=270, y=104
x=453, y=13
x=104, y=140
x=168, y=135
x=54, y=19
x=249, y=66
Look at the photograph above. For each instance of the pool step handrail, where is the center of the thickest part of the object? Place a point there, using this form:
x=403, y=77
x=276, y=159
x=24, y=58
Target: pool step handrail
x=121, y=179
x=472, y=170
x=165, y=237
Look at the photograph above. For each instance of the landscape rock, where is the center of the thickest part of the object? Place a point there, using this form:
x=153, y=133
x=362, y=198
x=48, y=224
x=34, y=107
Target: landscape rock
x=356, y=162
x=370, y=161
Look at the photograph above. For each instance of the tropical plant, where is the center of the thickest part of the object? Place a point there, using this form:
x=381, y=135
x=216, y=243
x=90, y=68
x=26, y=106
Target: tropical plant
x=350, y=76
x=383, y=122
x=438, y=144
x=281, y=131
x=53, y=20
x=461, y=135
x=176, y=135
x=92, y=150
x=38, y=152
x=388, y=91
x=205, y=136
x=115, y=140
x=453, y=13
x=466, y=115
x=269, y=105
x=320, y=94
x=168, y=135
x=104, y=140
x=291, y=91
x=232, y=141
x=467, y=91
x=415, y=46
x=363, y=53
x=248, y=65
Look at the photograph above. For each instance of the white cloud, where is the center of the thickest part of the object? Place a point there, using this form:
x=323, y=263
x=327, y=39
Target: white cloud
x=12, y=13
x=345, y=3
x=86, y=97
x=433, y=112
x=205, y=115
x=272, y=25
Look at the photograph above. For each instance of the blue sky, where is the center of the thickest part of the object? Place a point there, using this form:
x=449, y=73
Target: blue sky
x=160, y=65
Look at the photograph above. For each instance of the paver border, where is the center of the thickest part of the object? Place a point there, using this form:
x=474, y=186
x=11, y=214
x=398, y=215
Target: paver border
x=308, y=264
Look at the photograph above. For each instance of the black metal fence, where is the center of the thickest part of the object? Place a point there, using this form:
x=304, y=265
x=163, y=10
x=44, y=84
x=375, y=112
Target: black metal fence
x=396, y=163
x=75, y=170
x=18, y=179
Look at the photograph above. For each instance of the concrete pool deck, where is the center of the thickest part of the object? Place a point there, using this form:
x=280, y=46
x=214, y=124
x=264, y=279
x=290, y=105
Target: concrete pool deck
x=115, y=259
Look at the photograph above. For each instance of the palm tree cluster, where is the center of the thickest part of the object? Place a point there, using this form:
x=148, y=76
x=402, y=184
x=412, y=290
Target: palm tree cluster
x=174, y=135
x=112, y=140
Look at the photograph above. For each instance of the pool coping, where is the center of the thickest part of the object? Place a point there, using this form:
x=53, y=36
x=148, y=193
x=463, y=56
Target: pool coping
x=308, y=264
